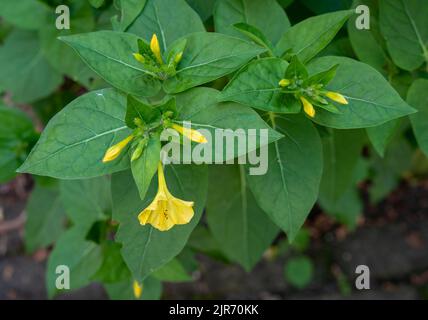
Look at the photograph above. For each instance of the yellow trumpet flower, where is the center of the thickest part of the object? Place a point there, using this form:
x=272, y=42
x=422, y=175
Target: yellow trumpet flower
x=114, y=151
x=284, y=83
x=165, y=211
x=308, y=107
x=336, y=97
x=154, y=46
x=138, y=289
x=191, y=134
x=139, y=57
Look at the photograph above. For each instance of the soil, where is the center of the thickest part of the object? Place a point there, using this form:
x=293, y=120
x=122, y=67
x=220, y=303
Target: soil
x=391, y=238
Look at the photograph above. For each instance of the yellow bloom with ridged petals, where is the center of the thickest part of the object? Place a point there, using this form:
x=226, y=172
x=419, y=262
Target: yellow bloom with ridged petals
x=191, y=134
x=336, y=97
x=308, y=107
x=138, y=289
x=114, y=151
x=154, y=46
x=166, y=211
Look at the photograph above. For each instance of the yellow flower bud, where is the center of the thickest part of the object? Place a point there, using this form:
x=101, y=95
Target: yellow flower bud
x=336, y=97
x=284, y=83
x=178, y=57
x=154, y=46
x=308, y=107
x=191, y=134
x=114, y=151
x=138, y=289
x=139, y=57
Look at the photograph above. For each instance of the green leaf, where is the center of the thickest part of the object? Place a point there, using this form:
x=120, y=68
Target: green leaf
x=129, y=11
x=113, y=269
x=16, y=135
x=83, y=258
x=342, y=151
x=293, y=176
x=86, y=201
x=45, y=217
x=24, y=70
x=146, y=249
x=169, y=20
x=96, y=3
x=26, y=14
x=63, y=58
x=240, y=227
x=74, y=142
x=207, y=57
x=417, y=97
x=368, y=43
x=110, y=54
x=310, y=36
x=404, y=25
x=299, y=271
x=267, y=16
x=145, y=167
x=256, y=85
x=152, y=290
x=255, y=35
x=138, y=109
x=204, y=8
x=199, y=106
x=372, y=101
x=173, y=271
x=380, y=136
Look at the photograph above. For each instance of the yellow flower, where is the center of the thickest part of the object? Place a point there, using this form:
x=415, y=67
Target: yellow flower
x=114, y=151
x=154, y=46
x=284, y=82
x=165, y=211
x=138, y=289
x=308, y=107
x=191, y=134
x=139, y=57
x=336, y=97
x=178, y=57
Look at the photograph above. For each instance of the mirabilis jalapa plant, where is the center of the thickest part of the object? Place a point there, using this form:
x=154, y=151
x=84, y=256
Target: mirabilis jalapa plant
x=160, y=76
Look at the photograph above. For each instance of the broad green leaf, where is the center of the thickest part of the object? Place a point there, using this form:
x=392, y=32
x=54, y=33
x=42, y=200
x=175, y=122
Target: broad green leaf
x=152, y=290
x=417, y=97
x=16, y=136
x=110, y=54
x=113, y=269
x=233, y=121
x=293, y=176
x=299, y=271
x=45, y=217
x=324, y=6
x=74, y=142
x=82, y=257
x=169, y=20
x=372, y=101
x=254, y=34
x=173, y=271
x=138, y=109
x=96, y=3
x=310, y=36
x=256, y=85
x=207, y=57
x=63, y=58
x=145, y=167
x=204, y=8
x=24, y=71
x=86, y=201
x=341, y=150
x=405, y=27
x=202, y=240
x=240, y=227
x=368, y=43
x=267, y=16
x=26, y=14
x=144, y=248
x=129, y=11
x=380, y=136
